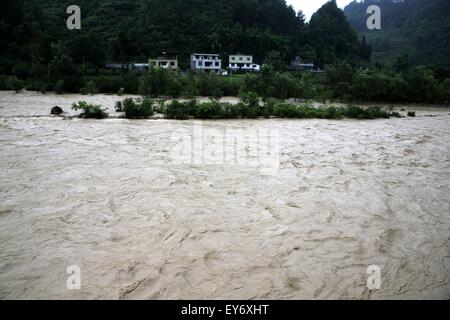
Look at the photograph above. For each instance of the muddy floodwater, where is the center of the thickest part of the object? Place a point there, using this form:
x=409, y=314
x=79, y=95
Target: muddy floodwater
x=109, y=197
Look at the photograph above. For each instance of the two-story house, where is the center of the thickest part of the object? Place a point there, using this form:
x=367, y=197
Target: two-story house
x=164, y=62
x=240, y=62
x=206, y=62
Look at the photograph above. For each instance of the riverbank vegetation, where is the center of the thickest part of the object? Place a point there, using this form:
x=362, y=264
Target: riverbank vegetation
x=250, y=106
x=340, y=82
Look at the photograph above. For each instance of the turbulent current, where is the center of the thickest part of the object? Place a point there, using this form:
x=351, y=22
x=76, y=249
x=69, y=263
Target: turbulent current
x=109, y=197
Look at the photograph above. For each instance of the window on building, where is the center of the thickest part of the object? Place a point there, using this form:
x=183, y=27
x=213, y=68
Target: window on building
x=217, y=64
x=240, y=58
x=248, y=58
x=200, y=63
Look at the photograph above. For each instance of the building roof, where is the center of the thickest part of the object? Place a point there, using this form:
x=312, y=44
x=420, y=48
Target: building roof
x=164, y=58
x=206, y=54
x=114, y=65
x=123, y=66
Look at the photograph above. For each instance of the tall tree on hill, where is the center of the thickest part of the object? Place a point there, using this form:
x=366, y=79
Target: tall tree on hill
x=331, y=34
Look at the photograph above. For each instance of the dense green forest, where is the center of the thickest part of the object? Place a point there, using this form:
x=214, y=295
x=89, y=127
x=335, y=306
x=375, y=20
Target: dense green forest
x=134, y=30
x=418, y=28
x=38, y=52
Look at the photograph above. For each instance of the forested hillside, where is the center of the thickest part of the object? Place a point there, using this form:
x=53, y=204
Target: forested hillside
x=134, y=30
x=38, y=52
x=418, y=28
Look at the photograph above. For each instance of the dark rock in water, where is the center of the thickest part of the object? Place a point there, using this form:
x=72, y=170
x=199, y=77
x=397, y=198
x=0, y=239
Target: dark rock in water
x=57, y=111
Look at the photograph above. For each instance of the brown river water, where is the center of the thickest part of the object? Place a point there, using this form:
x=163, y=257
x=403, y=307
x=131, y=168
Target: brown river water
x=109, y=197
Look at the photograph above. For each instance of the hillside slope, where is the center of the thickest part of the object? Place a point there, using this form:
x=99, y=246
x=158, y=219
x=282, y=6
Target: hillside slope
x=133, y=30
x=420, y=29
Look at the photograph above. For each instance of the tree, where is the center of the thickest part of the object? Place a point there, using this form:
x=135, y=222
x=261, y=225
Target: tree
x=332, y=35
x=365, y=51
x=61, y=67
x=308, y=53
x=90, y=88
x=275, y=60
x=122, y=47
x=16, y=84
x=444, y=89
x=340, y=76
x=402, y=63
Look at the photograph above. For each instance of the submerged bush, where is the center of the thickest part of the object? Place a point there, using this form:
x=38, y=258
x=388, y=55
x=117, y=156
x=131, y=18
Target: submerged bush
x=231, y=111
x=411, y=113
x=249, y=107
x=286, y=110
x=329, y=113
x=269, y=107
x=212, y=109
x=137, y=108
x=16, y=84
x=90, y=111
x=395, y=114
x=90, y=88
x=177, y=110
x=209, y=110
x=59, y=87
x=355, y=112
x=118, y=106
x=120, y=92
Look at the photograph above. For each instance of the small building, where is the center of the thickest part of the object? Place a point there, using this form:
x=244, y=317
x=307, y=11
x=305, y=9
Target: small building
x=115, y=66
x=164, y=62
x=299, y=65
x=138, y=67
x=206, y=62
x=243, y=63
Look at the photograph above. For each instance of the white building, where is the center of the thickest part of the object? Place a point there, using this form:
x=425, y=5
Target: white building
x=243, y=63
x=206, y=62
x=164, y=62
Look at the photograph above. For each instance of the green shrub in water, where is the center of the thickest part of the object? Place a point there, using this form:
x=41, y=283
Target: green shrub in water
x=90, y=111
x=137, y=108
